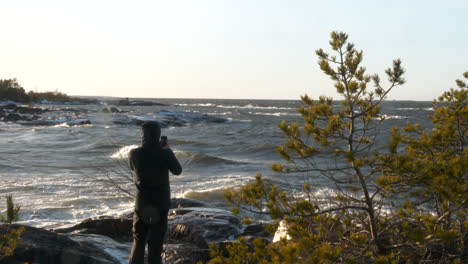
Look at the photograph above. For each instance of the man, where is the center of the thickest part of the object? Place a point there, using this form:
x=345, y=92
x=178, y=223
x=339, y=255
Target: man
x=151, y=164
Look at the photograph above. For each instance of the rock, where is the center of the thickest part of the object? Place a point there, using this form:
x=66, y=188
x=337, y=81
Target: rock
x=119, y=250
x=222, y=245
x=184, y=253
x=196, y=225
x=54, y=122
x=119, y=229
x=184, y=202
x=181, y=233
x=9, y=106
x=42, y=246
x=22, y=109
x=13, y=117
x=256, y=230
x=209, y=223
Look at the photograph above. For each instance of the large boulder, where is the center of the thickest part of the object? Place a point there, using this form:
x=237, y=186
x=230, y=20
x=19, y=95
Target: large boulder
x=185, y=253
x=42, y=246
x=210, y=223
x=119, y=229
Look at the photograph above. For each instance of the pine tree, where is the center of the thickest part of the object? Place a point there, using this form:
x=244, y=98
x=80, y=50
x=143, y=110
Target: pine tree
x=11, y=238
x=333, y=145
x=428, y=169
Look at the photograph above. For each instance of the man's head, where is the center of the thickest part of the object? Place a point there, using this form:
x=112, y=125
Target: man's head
x=151, y=132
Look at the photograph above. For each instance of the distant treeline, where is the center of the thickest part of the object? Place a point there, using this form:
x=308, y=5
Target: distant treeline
x=11, y=90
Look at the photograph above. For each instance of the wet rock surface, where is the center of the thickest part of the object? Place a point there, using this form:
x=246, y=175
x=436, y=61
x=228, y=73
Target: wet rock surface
x=119, y=229
x=192, y=226
x=34, y=116
x=185, y=253
x=42, y=246
x=13, y=113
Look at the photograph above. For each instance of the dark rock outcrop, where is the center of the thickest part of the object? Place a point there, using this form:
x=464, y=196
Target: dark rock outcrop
x=14, y=113
x=119, y=229
x=184, y=202
x=209, y=223
x=42, y=246
x=192, y=226
x=23, y=109
x=31, y=116
x=185, y=253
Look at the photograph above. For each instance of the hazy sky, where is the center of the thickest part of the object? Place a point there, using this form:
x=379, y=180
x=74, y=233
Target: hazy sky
x=225, y=49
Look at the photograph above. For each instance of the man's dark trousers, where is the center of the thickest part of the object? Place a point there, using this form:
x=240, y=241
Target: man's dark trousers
x=154, y=234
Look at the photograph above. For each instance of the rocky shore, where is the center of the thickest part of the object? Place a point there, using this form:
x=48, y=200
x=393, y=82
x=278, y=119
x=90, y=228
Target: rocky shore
x=42, y=116
x=193, y=225
x=39, y=116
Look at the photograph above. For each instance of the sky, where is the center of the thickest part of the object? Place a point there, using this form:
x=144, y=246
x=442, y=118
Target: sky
x=234, y=49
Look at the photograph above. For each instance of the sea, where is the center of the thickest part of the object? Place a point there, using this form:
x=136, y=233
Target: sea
x=62, y=174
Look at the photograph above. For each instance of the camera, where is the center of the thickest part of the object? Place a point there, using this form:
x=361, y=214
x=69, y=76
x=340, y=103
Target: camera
x=163, y=142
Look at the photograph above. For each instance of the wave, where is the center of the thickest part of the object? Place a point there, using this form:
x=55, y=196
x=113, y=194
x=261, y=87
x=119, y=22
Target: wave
x=413, y=109
x=209, y=195
x=273, y=114
x=11, y=166
x=250, y=106
x=247, y=106
x=199, y=159
x=203, y=105
x=123, y=152
x=388, y=117
x=262, y=148
x=220, y=113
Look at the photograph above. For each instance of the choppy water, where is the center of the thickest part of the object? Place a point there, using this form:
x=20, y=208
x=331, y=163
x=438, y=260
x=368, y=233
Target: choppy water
x=54, y=172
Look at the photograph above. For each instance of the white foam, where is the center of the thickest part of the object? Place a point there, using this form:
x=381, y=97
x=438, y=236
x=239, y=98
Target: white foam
x=123, y=152
x=205, y=105
x=250, y=106
x=412, y=108
x=387, y=117
x=273, y=114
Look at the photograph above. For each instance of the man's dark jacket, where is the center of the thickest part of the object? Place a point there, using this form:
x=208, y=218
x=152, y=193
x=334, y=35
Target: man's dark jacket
x=151, y=165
